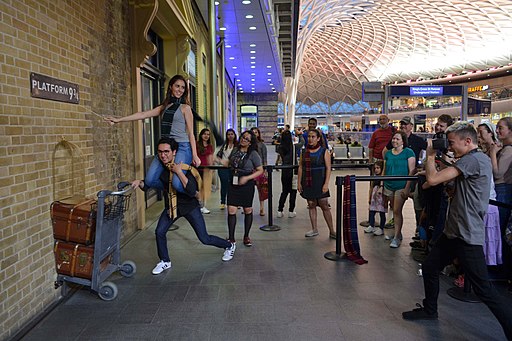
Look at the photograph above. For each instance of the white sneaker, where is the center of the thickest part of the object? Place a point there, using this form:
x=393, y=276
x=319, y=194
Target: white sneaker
x=388, y=237
x=229, y=253
x=395, y=242
x=311, y=233
x=161, y=267
x=279, y=214
x=292, y=214
x=204, y=210
x=378, y=231
x=369, y=229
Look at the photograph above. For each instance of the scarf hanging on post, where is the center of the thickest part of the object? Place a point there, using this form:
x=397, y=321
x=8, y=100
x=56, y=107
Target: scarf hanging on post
x=350, y=237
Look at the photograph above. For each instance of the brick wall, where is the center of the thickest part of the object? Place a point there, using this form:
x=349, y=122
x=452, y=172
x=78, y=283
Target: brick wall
x=86, y=43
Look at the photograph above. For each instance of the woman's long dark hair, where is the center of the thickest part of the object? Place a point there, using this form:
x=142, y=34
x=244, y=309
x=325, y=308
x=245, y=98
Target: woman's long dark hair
x=286, y=142
x=200, y=146
x=259, y=138
x=254, y=141
x=168, y=94
x=235, y=140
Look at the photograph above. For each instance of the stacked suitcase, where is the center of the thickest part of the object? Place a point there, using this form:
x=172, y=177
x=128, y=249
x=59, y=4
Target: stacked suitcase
x=74, y=227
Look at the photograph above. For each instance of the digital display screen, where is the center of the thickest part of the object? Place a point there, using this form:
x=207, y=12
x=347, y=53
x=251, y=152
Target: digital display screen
x=426, y=91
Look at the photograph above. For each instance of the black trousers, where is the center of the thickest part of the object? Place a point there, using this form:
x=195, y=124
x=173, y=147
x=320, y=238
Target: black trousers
x=472, y=258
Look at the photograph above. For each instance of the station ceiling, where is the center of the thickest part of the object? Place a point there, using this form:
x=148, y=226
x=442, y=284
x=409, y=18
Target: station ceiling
x=342, y=43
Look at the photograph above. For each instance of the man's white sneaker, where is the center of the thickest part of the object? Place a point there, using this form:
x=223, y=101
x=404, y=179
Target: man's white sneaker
x=378, y=231
x=279, y=214
x=369, y=229
x=229, y=253
x=292, y=214
x=204, y=210
x=161, y=267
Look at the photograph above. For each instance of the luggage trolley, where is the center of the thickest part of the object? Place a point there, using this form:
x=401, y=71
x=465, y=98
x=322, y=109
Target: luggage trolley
x=110, y=210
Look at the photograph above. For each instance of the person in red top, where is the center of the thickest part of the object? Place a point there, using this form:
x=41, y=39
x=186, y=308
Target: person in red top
x=379, y=140
x=205, y=153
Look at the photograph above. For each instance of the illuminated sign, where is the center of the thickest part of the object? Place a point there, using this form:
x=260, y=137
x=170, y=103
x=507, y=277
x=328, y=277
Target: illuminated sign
x=478, y=88
x=426, y=91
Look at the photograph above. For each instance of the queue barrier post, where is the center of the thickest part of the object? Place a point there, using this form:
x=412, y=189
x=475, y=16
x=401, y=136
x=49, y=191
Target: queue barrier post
x=270, y=226
x=338, y=255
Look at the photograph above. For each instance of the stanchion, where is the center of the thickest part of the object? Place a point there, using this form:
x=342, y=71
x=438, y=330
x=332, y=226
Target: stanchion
x=270, y=226
x=338, y=255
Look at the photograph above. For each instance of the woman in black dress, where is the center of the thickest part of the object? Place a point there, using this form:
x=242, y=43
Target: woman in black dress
x=313, y=182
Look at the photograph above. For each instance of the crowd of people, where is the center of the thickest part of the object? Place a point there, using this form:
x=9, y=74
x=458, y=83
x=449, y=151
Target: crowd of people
x=458, y=173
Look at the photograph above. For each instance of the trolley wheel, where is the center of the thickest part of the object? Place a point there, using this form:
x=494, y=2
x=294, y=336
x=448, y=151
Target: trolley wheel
x=108, y=291
x=128, y=269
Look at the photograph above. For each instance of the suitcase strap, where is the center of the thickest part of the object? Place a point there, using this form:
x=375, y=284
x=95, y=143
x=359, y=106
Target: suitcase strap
x=68, y=228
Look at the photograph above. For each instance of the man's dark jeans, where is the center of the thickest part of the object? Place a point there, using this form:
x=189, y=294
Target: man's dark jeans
x=196, y=220
x=472, y=258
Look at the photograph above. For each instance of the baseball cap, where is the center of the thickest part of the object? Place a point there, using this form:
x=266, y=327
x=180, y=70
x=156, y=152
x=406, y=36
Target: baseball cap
x=492, y=129
x=406, y=120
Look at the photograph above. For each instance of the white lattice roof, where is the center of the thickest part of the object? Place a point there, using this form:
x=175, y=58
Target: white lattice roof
x=342, y=43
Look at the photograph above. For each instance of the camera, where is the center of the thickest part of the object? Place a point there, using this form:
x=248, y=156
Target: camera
x=440, y=143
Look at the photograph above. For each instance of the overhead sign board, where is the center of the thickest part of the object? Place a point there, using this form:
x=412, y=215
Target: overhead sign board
x=53, y=89
x=426, y=91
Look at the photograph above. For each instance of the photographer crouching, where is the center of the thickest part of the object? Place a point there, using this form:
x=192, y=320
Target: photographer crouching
x=464, y=232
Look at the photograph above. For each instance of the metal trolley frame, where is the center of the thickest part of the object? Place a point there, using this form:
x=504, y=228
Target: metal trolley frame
x=111, y=207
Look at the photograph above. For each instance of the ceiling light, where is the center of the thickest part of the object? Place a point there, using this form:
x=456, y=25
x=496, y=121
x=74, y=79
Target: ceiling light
x=252, y=84
x=269, y=79
x=253, y=57
x=253, y=67
x=253, y=62
x=222, y=28
x=252, y=91
x=237, y=74
x=252, y=45
x=253, y=74
x=246, y=2
x=269, y=73
x=249, y=16
x=217, y=3
x=252, y=28
x=232, y=58
x=270, y=84
x=228, y=46
x=252, y=51
x=252, y=79
x=239, y=80
x=269, y=67
x=234, y=68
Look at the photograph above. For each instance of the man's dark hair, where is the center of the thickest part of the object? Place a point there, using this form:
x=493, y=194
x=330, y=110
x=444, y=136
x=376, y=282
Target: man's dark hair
x=313, y=119
x=169, y=141
x=446, y=119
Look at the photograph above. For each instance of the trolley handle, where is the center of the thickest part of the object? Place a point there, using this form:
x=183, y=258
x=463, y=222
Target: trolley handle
x=124, y=188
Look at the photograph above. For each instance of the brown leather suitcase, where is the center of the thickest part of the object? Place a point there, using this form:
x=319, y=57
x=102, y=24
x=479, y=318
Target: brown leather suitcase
x=74, y=220
x=76, y=260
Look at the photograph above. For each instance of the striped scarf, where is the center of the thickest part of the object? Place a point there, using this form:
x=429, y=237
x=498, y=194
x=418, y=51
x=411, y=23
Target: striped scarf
x=350, y=237
x=173, y=198
x=307, y=165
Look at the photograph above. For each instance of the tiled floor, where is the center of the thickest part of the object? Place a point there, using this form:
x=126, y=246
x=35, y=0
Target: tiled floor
x=282, y=288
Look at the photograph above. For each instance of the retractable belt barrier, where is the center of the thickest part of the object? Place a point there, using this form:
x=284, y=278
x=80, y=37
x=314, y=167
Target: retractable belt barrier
x=270, y=226
x=350, y=227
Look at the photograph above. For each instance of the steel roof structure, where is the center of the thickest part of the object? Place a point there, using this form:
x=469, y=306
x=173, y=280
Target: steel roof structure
x=342, y=43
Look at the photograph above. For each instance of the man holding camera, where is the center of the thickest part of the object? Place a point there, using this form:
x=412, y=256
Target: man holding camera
x=464, y=232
